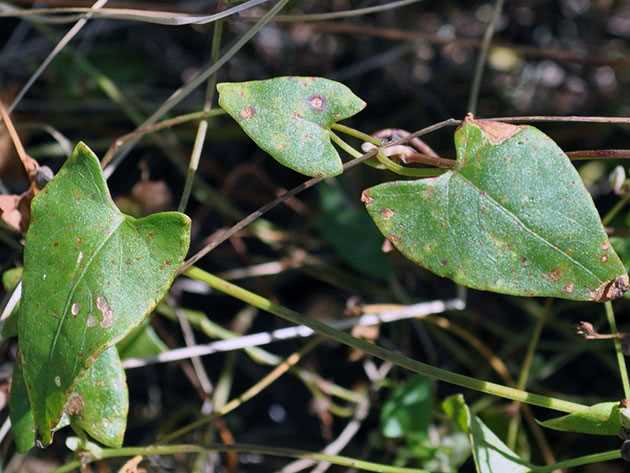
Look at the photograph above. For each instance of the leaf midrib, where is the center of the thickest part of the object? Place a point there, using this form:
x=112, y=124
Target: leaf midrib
x=507, y=211
x=78, y=280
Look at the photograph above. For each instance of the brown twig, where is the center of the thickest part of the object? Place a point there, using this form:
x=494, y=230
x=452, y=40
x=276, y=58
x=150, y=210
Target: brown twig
x=599, y=154
x=29, y=164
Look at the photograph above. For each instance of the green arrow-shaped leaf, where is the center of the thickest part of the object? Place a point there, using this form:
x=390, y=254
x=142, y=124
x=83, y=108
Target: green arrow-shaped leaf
x=91, y=274
x=490, y=453
x=290, y=118
x=512, y=217
x=599, y=419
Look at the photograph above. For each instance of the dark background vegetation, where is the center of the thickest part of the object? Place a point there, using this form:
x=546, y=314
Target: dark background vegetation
x=413, y=66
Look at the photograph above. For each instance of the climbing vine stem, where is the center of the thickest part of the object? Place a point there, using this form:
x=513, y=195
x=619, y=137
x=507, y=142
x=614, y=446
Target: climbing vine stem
x=621, y=361
x=379, y=352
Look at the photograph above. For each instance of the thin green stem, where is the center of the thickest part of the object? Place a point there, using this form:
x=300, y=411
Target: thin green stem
x=359, y=135
x=618, y=207
x=202, y=128
x=483, y=54
x=214, y=447
x=621, y=361
x=345, y=146
x=525, y=370
x=382, y=158
x=379, y=352
x=404, y=171
x=579, y=461
x=353, y=152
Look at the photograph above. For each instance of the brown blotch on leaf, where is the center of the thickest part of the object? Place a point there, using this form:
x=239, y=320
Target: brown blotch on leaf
x=366, y=198
x=248, y=112
x=604, y=258
x=554, y=275
x=444, y=262
x=75, y=405
x=393, y=238
x=107, y=314
x=317, y=102
x=166, y=264
x=611, y=289
x=523, y=260
x=496, y=132
x=568, y=288
x=387, y=213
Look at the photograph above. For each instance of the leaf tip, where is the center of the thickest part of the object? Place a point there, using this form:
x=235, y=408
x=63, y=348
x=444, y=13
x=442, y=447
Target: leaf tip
x=610, y=290
x=366, y=198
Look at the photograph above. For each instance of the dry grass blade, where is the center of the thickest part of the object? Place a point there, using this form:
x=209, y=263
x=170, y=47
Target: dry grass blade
x=72, y=32
x=68, y=15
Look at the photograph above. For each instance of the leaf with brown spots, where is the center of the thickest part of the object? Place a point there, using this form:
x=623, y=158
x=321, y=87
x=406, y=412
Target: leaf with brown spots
x=98, y=405
x=511, y=217
x=290, y=118
x=100, y=402
x=91, y=275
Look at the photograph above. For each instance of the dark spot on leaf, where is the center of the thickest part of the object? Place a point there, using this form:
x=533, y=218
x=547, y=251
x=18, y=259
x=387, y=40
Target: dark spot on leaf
x=297, y=115
x=387, y=213
x=248, y=112
x=78, y=241
x=523, y=260
x=55, y=243
x=444, y=262
x=150, y=235
x=166, y=264
x=366, y=198
x=75, y=405
x=393, y=238
x=317, y=102
x=107, y=314
x=554, y=275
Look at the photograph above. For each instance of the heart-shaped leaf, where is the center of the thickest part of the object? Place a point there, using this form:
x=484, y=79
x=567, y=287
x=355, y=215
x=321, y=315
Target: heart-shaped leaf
x=290, y=118
x=599, y=419
x=91, y=274
x=512, y=217
x=490, y=453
